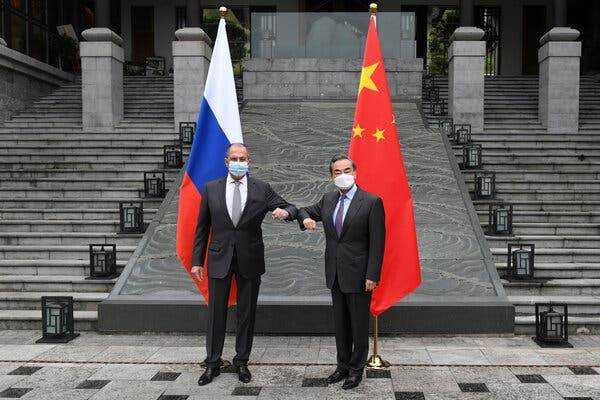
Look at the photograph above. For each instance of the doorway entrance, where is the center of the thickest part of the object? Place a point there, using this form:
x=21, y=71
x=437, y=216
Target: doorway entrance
x=142, y=32
x=534, y=26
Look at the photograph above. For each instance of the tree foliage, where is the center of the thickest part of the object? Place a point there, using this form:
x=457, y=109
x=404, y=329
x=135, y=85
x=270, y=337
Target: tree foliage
x=440, y=29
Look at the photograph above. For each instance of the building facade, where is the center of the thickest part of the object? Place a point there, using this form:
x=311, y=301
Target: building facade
x=513, y=28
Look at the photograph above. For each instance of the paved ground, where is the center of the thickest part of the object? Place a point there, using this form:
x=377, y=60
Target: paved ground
x=150, y=367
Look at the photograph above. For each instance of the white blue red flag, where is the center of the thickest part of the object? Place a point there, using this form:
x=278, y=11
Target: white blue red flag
x=218, y=125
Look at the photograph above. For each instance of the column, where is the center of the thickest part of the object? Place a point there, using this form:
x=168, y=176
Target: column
x=191, y=58
x=560, y=12
x=101, y=78
x=466, y=57
x=559, y=57
x=103, y=14
x=193, y=13
x=466, y=13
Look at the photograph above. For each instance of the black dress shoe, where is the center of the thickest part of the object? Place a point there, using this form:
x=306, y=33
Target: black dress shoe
x=244, y=374
x=337, y=376
x=352, y=381
x=209, y=374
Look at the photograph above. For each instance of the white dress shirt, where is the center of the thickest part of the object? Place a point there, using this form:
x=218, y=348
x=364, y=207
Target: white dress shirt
x=230, y=186
x=349, y=196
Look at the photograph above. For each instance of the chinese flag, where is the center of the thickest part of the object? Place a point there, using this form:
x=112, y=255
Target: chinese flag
x=375, y=148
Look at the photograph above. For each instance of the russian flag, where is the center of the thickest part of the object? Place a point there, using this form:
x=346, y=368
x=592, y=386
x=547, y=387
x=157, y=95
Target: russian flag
x=218, y=125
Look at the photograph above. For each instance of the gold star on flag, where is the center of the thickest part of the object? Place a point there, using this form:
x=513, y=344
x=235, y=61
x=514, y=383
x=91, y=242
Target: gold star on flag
x=357, y=131
x=378, y=134
x=366, y=80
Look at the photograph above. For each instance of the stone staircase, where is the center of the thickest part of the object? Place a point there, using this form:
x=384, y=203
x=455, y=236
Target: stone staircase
x=59, y=192
x=553, y=182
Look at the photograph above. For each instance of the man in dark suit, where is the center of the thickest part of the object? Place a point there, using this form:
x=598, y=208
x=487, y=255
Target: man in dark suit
x=354, y=223
x=229, y=237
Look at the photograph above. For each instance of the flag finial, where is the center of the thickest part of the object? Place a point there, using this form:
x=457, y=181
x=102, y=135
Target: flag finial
x=373, y=8
x=223, y=11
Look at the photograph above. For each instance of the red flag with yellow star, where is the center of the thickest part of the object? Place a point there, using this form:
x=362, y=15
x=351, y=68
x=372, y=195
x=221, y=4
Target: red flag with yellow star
x=375, y=148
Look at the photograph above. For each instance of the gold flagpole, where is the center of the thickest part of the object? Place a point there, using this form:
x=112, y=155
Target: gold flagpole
x=375, y=361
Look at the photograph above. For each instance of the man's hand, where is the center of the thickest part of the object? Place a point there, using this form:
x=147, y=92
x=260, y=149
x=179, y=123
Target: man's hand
x=198, y=272
x=280, y=214
x=309, y=224
x=370, y=285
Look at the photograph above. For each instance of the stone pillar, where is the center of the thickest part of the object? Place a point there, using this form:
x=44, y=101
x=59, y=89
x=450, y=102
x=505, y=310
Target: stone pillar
x=103, y=14
x=559, y=57
x=466, y=13
x=191, y=58
x=560, y=12
x=193, y=13
x=101, y=78
x=2, y=42
x=466, y=57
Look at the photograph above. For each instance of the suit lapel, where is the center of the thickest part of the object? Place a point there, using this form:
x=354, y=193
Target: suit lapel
x=223, y=184
x=329, y=208
x=352, y=210
x=251, y=193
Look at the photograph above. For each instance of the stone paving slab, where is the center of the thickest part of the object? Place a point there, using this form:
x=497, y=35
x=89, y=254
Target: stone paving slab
x=166, y=367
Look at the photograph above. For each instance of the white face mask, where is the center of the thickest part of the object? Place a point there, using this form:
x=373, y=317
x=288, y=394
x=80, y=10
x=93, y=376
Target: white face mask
x=344, y=181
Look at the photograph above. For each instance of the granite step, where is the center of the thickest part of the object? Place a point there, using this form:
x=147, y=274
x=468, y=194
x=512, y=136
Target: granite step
x=43, y=225
x=18, y=300
x=84, y=214
x=547, y=240
x=94, y=183
x=49, y=267
x=57, y=238
x=61, y=252
x=76, y=174
x=55, y=283
x=32, y=319
x=74, y=203
x=527, y=176
x=39, y=193
x=554, y=255
x=553, y=287
x=560, y=270
x=549, y=194
x=548, y=205
x=583, y=306
x=550, y=217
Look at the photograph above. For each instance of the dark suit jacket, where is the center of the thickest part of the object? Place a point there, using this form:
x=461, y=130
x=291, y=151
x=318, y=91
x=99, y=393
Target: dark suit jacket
x=215, y=231
x=358, y=253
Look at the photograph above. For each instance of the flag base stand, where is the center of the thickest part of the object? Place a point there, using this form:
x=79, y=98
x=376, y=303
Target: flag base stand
x=375, y=361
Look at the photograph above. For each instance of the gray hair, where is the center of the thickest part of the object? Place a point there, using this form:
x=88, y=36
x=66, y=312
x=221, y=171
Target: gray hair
x=337, y=158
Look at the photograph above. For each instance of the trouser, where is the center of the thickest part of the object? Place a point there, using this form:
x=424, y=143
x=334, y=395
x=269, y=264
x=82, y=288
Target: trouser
x=351, y=316
x=247, y=296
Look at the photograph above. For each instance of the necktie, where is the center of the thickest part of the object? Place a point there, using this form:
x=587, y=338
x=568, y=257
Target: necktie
x=339, y=216
x=236, y=205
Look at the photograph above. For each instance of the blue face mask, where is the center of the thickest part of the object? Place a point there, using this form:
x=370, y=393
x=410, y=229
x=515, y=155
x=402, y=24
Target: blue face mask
x=238, y=168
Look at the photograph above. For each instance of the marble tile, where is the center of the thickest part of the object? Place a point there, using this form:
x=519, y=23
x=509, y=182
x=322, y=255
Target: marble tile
x=131, y=372
x=70, y=353
x=136, y=354
x=59, y=377
x=130, y=390
x=13, y=352
x=178, y=355
x=458, y=356
x=59, y=394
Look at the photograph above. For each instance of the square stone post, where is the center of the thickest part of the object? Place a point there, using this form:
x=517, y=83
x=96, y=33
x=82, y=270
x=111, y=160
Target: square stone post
x=466, y=57
x=191, y=58
x=101, y=78
x=559, y=57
